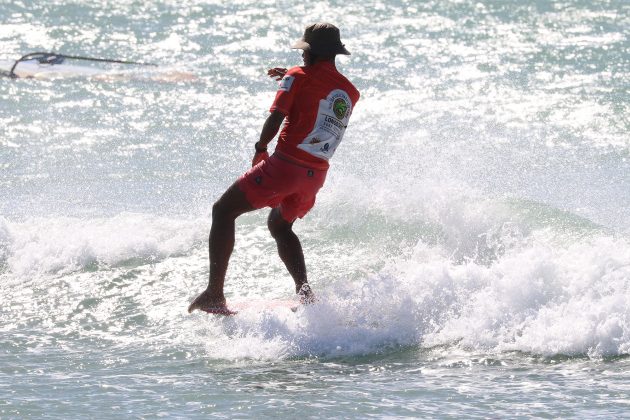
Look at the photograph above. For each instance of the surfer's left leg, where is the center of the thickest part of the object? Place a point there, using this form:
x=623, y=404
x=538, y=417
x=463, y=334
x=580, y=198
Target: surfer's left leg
x=289, y=247
x=232, y=204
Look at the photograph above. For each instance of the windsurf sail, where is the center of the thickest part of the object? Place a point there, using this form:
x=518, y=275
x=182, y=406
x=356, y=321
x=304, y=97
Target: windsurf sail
x=37, y=63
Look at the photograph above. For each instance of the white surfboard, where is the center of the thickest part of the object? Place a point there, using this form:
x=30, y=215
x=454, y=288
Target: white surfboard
x=260, y=305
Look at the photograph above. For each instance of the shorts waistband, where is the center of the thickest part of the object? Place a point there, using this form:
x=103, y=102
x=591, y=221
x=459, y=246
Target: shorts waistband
x=283, y=156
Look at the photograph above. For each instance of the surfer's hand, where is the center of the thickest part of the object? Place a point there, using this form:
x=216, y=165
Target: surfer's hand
x=277, y=72
x=259, y=157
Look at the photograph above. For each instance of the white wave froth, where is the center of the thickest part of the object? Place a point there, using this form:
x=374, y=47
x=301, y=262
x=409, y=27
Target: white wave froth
x=64, y=244
x=539, y=299
x=542, y=299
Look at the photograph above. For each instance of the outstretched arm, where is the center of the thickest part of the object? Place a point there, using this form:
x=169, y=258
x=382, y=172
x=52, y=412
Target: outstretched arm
x=269, y=131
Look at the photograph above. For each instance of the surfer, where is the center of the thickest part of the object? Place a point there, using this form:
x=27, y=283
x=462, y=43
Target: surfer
x=316, y=101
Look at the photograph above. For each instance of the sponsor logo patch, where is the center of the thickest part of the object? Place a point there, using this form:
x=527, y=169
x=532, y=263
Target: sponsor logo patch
x=340, y=108
x=286, y=83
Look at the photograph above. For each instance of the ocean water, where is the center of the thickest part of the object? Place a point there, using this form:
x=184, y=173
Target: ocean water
x=470, y=249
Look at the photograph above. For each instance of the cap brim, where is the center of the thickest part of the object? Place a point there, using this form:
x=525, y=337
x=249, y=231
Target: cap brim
x=343, y=51
x=302, y=45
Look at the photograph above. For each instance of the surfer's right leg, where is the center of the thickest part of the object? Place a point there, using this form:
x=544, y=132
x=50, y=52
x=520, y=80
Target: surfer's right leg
x=232, y=204
x=289, y=247
x=290, y=251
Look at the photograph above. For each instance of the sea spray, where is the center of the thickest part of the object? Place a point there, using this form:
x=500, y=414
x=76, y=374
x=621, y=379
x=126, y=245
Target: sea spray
x=65, y=244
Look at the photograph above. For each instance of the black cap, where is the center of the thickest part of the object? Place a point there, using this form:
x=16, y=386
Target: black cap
x=322, y=39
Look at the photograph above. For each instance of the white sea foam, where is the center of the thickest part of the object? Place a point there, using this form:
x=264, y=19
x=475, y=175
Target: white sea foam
x=492, y=279
x=63, y=244
x=539, y=298
x=498, y=275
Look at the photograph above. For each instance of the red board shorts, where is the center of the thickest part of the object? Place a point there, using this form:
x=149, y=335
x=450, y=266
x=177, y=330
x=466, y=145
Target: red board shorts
x=276, y=182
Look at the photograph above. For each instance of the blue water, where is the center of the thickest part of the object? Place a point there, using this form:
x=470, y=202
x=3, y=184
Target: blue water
x=470, y=248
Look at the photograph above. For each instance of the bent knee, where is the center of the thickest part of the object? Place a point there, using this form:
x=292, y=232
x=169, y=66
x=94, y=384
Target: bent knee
x=278, y=227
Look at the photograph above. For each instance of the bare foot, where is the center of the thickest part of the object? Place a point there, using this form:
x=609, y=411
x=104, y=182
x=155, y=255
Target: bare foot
x=306, y=295
x=205, y=302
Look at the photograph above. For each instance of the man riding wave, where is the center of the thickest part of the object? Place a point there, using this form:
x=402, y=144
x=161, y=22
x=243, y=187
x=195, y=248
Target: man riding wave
x=316, y=102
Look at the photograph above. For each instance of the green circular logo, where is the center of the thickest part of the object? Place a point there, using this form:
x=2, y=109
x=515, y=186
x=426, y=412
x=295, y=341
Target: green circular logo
x=340, y=108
